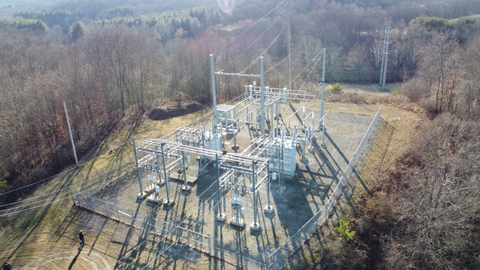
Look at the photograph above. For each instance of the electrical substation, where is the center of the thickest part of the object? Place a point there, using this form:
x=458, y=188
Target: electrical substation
x=248, y=184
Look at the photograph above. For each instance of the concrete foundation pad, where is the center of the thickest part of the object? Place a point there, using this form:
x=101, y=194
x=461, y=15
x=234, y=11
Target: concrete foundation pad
x=304, y=161
x=255, y=227
x=220, y=217
x=150, y=189
x=186, y=188
x=169, y=203
x=241, y=224
x=154, y=199
x=280, y=190
x=191, y=178
x=269, y=209
x=141, y=196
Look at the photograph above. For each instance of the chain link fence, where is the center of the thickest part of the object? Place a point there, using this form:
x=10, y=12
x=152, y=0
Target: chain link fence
x=278, y=258
x=103, y=207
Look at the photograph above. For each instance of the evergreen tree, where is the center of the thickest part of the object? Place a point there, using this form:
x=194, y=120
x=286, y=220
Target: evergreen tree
x=77, y=31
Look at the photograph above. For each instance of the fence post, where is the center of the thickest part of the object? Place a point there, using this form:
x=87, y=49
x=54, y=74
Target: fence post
x=133, y=218
x=106, y=208
x=118, y=213
x=78, y=199
x=209, y=244
x=73, y=196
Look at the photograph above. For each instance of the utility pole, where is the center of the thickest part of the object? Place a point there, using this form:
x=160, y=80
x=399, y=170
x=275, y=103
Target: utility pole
x=262, y=98
x=322, y=109
x=387, y=45
x=70, y=132
x=288, y=47
x=383, y=56
x=139, y=172
x=214, y=96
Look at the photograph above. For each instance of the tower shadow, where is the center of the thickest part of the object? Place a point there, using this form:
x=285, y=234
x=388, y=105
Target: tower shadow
x=75, y=258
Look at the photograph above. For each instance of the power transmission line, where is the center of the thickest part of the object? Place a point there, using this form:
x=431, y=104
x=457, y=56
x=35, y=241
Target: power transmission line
x=251, y=44
x=264, y=51
x=311, y=71
x=314, y=59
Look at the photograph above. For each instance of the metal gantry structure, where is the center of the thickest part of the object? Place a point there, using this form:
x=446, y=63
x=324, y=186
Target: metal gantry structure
x=269, y=154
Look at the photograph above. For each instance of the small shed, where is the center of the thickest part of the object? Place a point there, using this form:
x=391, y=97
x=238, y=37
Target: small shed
x=226, y=114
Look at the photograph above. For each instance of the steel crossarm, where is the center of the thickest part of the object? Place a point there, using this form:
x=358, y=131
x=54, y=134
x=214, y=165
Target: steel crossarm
x=268, y=102
x=145, y=159
x=175, y=147
x=254, y=142
x=247, y=159
x=261, y=182
x=189, y=130
x=242, y=170
x=248, y=105
x=292, y=94
x=263, y=145
x=172, y=165
x=232, y=158
x=225, y=176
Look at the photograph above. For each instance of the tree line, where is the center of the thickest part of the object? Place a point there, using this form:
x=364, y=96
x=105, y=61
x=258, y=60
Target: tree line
x=421, y=210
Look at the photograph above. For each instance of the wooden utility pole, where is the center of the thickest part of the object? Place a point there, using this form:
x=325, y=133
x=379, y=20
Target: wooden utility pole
x=70, y=132
x=386, y=45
